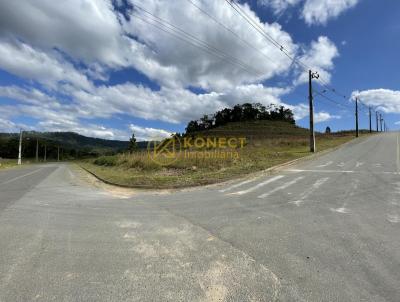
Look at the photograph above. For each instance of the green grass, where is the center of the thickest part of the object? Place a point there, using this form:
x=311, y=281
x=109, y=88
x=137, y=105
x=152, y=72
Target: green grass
x=268, y=144
x=7, y=163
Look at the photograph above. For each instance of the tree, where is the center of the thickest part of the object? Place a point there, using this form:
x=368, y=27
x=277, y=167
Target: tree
x=328, y=130
x=132, y=143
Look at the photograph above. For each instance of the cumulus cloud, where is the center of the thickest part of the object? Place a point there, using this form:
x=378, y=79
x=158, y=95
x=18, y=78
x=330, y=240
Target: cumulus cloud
x=320, y=11
x=383, y=99
x=86, y=30
x=148, y=133
x=65, y=48
x=319, y=56
x=302, y=110
x=37, y=65
x=313, y=11
x=325, y=117
x=279, y=6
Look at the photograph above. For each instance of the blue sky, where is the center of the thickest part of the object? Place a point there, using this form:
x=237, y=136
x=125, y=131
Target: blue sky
x=109, y=68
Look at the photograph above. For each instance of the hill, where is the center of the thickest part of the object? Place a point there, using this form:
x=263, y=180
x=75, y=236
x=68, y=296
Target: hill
x=72, y=144
x=267, y=143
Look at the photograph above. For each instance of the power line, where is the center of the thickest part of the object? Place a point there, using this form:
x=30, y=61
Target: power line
x=238, y=9
x=231, y=31
x=189, y=38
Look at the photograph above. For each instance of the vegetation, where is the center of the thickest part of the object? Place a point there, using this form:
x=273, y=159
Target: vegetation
x=133, y=146
x=268, y=143
x=72, y=145
x=241, y=113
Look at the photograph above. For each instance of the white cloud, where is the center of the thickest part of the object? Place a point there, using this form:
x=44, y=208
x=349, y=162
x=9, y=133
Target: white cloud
x=86, y=30
x=323, y=116
x=320, y=57
x=279, y=6
x=313, y=11
x=302, y=111
x=146, y=133
x=320, y=11
x=383, y=99
x=397, y=123
x=66, y=47
x=24, y=61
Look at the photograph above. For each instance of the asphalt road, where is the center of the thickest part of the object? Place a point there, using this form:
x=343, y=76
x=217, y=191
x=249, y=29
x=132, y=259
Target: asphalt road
x=324, y=230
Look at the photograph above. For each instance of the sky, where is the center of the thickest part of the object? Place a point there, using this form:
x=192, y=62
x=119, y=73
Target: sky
x=110, y=68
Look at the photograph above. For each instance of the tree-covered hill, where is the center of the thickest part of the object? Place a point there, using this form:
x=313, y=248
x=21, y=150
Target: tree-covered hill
x=72, y=145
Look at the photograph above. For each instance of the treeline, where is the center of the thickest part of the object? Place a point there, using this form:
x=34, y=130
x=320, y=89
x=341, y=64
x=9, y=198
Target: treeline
x=70, y=145
x=239, y=113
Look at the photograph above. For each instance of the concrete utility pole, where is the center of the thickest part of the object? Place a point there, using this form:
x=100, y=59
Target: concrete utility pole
x=20, y=148
x=45, y=152
x=37, y=150
x=357, y=133
x=377, y=123
x=312, y=75
x=370, y=120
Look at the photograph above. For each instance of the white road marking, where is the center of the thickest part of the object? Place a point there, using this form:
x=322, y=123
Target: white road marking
x=261, y=184
x=359, y=164
x=311, y=190
x=393, y=218
x=378, y=165
x=21, y=176
x=326, y=164
x=284, y=186
x=341, y=165
x=237, y=185
x=398, y=154
x=322, y=171
x=340, y=171
x=342, y=210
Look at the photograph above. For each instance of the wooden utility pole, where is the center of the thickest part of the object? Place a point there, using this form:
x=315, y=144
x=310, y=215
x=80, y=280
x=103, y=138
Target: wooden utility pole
x=45, y=152
x=37, y=150
x=381, y=121
x=58, y=153
x=357, y=133
x=311, y=105
x=20, y=148
x=370, y=120
x=377, y=123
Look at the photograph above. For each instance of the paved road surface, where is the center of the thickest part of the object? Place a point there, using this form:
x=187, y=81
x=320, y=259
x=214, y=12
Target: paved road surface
x=324, y=230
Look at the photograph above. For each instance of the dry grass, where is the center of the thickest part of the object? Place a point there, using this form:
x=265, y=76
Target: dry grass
x=264, y=149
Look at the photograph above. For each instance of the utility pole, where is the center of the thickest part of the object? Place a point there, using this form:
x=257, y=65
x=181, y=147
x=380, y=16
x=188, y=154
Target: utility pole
x=370, y=120
x=312, y=75
x=20, y=148
x=357, y=133
x=58, y=153
x=45, y=152
x=377, y=123
x=381, y=121
x=37, y=150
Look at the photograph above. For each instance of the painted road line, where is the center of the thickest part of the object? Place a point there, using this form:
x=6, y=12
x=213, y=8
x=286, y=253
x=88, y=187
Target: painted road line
x=322, y=171
x=261, y=184
x=310, y=191
x=237, y=185
x=21, y=176
x=342, y=171
x=359, y=164
x=398, y=154
x=326, y=164
x=286, y=185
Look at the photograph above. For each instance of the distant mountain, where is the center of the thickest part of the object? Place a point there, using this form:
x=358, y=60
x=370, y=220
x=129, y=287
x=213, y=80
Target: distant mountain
x=72, y=144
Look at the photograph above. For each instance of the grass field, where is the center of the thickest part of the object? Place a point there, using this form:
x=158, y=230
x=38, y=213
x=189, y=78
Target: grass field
x=267, y=144
x=7, y=163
